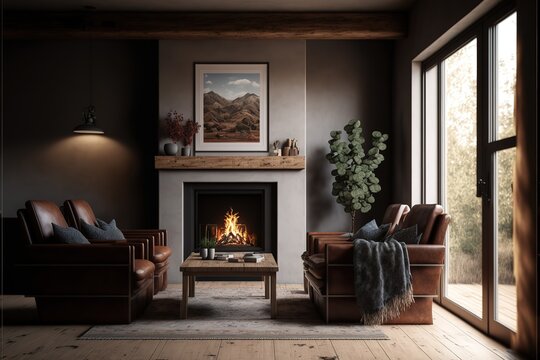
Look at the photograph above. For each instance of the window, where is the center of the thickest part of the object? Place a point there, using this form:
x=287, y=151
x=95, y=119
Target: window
x=468, y=154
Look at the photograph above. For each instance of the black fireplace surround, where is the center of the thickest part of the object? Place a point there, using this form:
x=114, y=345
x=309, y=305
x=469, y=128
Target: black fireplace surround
x=254, y=203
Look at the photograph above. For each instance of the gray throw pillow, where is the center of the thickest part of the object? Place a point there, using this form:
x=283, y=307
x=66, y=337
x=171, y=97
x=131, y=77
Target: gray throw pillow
x=108, y=232
x=111, y=229
x=408, y=236
x=68, y=235
x=371, y=231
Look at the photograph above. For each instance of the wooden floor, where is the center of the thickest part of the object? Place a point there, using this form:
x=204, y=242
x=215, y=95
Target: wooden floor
x=470, y=297
x=448, y=338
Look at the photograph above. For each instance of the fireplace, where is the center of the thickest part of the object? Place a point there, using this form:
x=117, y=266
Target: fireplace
x=239, y=216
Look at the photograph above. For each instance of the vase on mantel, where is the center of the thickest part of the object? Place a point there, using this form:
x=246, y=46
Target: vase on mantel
x=186, y=150
x=170, y=148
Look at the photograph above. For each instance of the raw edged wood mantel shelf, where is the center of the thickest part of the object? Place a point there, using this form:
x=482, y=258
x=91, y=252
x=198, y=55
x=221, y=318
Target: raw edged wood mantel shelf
x=230, y=162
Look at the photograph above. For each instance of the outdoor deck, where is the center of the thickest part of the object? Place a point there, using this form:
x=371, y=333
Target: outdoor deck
x=470, y=297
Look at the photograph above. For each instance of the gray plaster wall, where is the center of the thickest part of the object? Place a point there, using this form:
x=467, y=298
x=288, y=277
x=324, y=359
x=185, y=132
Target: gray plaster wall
x=45, y=89
x=286, y=76
x=345, y=80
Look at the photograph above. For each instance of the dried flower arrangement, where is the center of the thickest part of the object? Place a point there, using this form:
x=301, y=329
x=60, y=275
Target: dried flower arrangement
x=190, y=128
x=174, y=126
x=179, y=130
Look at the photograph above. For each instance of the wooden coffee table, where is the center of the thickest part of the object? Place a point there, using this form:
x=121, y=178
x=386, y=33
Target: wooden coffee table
x=194, y=266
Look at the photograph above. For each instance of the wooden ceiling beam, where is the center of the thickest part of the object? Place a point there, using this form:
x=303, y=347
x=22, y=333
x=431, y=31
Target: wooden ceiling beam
x=192, y=25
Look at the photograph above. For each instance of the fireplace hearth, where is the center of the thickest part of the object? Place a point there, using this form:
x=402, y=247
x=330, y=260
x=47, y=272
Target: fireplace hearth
x=239, y=216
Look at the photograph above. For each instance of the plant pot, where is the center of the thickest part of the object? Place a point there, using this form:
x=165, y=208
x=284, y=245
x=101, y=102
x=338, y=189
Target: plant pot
x=186, y=151
x=211, y=253
x=170, y=148
x=203, y=253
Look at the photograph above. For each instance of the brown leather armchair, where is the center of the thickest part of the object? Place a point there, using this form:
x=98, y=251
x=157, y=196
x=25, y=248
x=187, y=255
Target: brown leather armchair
x=91, y=283
x=331, y=279
x=316, y=241
x=157, y=250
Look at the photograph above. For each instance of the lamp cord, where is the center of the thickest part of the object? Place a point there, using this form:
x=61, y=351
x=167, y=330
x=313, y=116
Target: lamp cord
x=90, y=70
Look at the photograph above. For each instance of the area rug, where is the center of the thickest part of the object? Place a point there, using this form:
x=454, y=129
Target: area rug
x=232, y=313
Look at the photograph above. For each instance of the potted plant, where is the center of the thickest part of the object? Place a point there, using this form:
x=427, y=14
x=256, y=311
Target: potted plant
x=211, y=248
x=203, y=250
x=355, y=181
x=189, y=129
x=175, y=132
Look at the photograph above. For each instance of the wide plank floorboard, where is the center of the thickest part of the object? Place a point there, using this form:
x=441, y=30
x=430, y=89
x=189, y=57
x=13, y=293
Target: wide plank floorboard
x=246, y=350
x=448, y=338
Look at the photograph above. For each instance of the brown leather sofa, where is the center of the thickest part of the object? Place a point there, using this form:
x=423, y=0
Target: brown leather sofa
x=316, y=241
x=331, y=279
x=157, y=250
x=101, y=282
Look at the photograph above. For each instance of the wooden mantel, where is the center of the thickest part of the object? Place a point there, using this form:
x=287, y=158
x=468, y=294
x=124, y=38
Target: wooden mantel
x=230, y=162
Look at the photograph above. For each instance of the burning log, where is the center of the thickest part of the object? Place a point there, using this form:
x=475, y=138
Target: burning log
x=234, y=233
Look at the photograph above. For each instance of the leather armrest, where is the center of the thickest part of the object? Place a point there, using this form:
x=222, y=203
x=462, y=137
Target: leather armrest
x=139, y=245
x=73, y=270
x=320, y=243
x=78, y=254
x=160, y=235
x=339, y=253
x=426, y=254
x=149, y=237
x=312, y=234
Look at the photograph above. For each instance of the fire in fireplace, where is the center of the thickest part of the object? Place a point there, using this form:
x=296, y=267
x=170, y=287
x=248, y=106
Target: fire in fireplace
x=233, y=232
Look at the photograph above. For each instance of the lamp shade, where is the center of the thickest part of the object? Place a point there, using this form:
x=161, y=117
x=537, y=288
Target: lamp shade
x=89, y=123
x=87, y=128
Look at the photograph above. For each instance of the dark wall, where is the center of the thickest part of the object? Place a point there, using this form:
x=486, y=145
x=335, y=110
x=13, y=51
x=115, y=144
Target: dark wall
x=431, y=24
x=46, y=88
x=345, y=80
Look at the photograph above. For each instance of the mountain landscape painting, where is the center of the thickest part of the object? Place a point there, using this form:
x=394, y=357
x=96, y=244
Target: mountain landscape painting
x=231, y=105
x=231, y=108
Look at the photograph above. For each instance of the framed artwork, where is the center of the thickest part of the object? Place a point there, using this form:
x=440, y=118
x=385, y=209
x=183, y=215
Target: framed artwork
x=231, y=105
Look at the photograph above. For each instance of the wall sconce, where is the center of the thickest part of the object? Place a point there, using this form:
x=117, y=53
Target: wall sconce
x=89, y=123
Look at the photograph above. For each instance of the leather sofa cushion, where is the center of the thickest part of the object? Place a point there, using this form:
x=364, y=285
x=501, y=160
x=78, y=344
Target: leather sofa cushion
x=426, y=254
x=161, y=254
x=42, y=215
x=143, y=269
x=161, y=266
x=424, y=216
x=82, y=211
x=319, y=284
x=316, y=264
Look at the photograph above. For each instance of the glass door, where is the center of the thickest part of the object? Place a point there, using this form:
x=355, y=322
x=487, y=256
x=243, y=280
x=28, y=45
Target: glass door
x=463, y=286
x=501, y=148
x=468, y=116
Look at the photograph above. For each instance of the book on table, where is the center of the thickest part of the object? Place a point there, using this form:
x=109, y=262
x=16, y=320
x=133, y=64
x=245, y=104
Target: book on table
x=253, y=258
x=223, y=256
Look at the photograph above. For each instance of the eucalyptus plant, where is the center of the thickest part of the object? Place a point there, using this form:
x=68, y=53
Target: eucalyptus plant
x=355, y=182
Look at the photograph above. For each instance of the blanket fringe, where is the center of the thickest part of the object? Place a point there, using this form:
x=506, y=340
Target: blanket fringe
x=391, y=309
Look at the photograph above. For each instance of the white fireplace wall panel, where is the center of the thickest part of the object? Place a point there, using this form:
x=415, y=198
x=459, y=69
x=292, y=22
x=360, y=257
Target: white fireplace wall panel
x=291, y=214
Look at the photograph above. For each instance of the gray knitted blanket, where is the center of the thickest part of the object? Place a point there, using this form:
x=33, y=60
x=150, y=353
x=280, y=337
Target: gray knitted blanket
x=382, y=279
